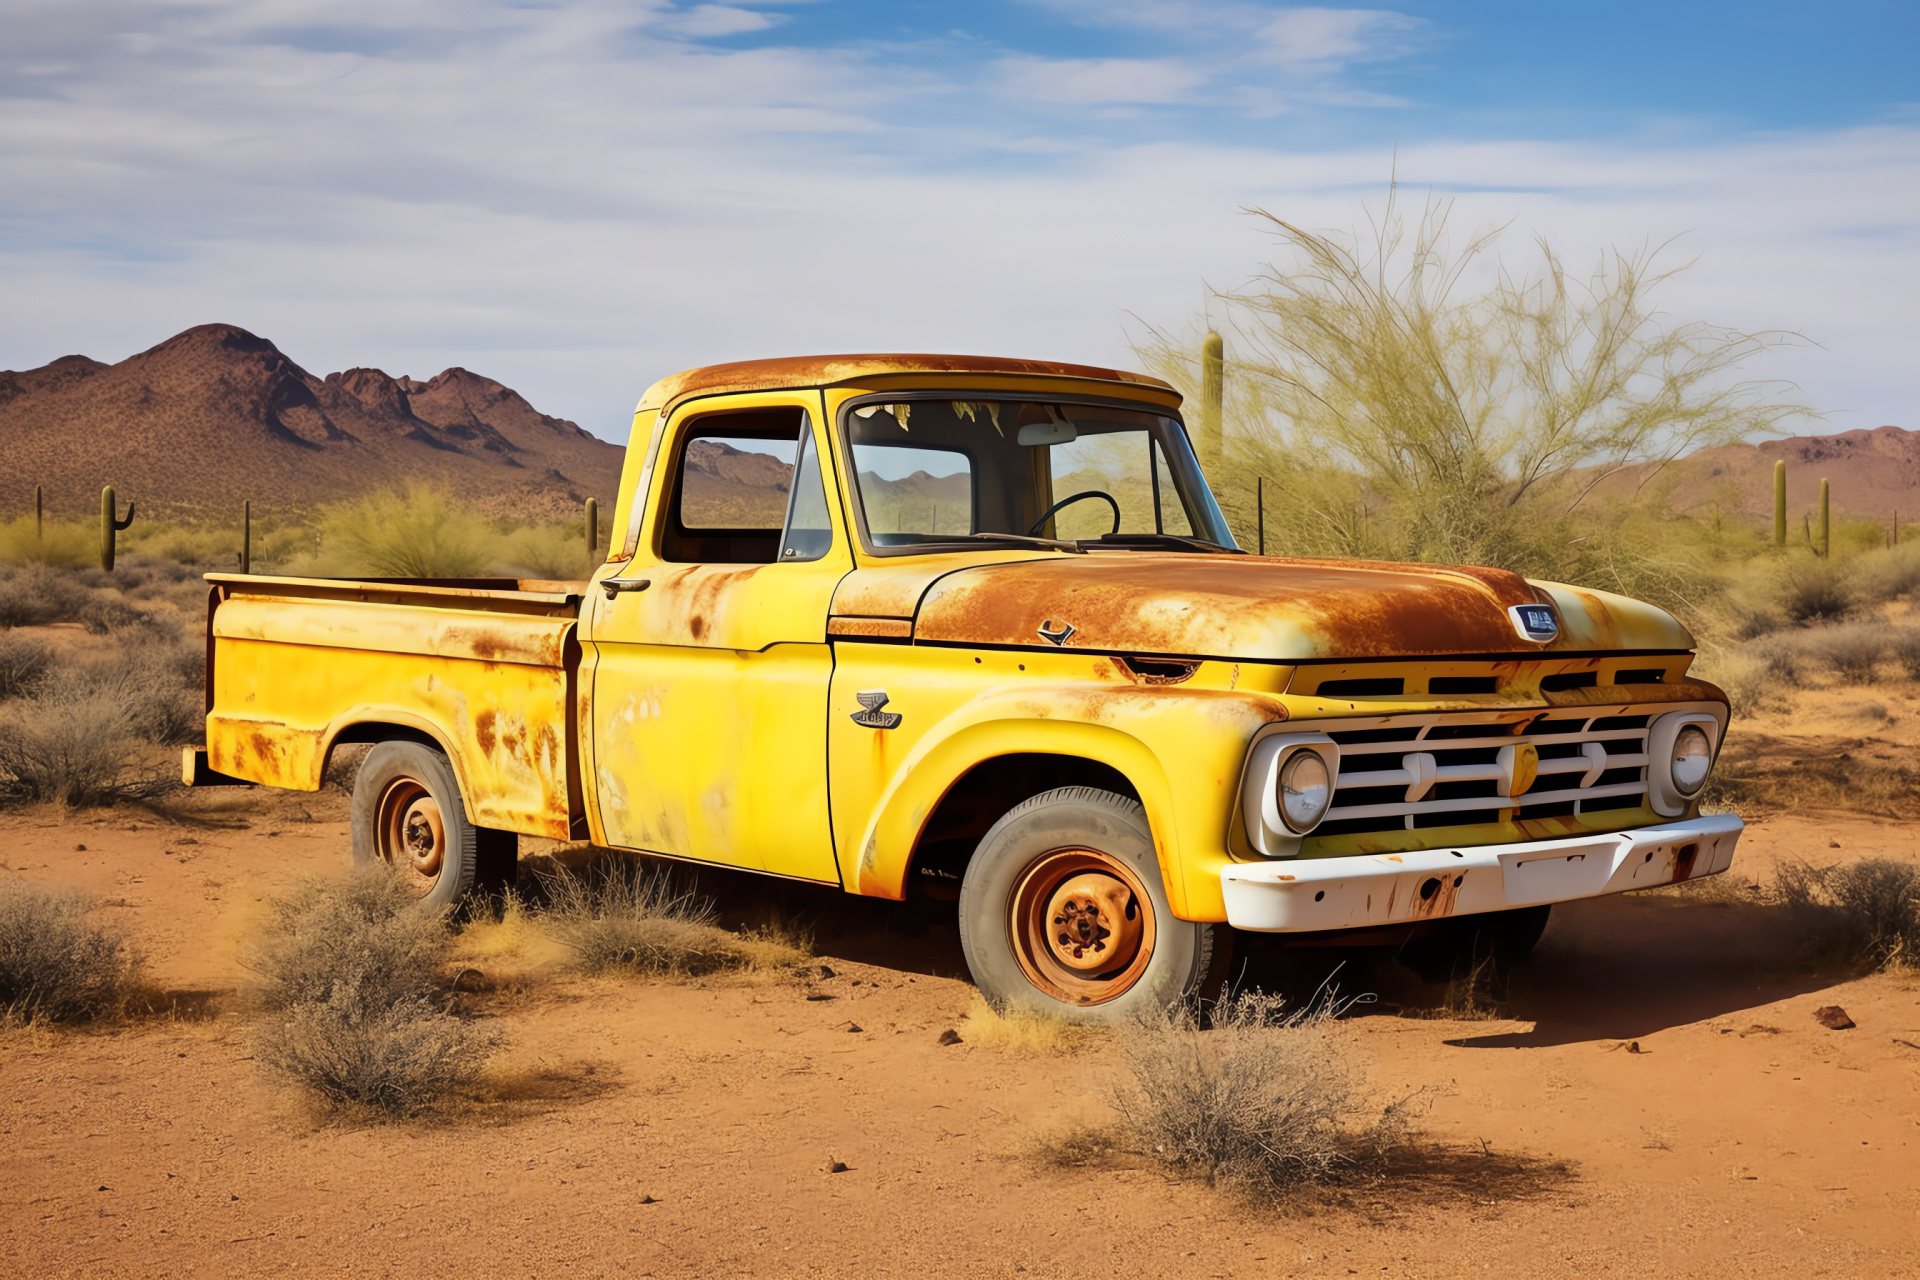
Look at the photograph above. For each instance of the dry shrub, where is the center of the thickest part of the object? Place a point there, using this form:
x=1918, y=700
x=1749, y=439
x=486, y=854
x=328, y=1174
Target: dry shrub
x=1886, y=573
x=1862, y=913
x=1903, y=646
x=39, y=594
x=67, y=544
x=1815, y=589
x=1262, y=1100
x=1026, y=1031
x=23, y=660
x=548, y=551
x=424, y=533
x=505, y=953
x=347, y=975
x=55, y=963
x=624, y=915
x=1852, y=651
x=74, y=750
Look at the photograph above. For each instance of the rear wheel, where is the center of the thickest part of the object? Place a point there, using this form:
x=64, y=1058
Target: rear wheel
x=1456, y=947
x=408, y=814
x=1062, y=910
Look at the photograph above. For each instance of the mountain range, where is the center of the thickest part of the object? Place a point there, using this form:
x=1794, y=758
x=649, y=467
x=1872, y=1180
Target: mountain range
x=217, y=415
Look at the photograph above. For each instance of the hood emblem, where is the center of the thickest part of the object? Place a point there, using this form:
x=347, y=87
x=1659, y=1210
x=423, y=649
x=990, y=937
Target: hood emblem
x=1535, y=622
x=1052, y=635
x=870, y=716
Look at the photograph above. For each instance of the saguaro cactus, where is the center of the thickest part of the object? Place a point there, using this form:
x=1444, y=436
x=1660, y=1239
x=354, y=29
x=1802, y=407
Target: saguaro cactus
x=1780, y=503
x=39, y=515
x=246, y=536
x=1213, y=391
x=1826, y=525
x=593, y=527
x=110, y=526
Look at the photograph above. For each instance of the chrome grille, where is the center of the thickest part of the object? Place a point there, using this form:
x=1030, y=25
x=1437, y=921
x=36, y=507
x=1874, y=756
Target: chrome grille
x=1441, y=770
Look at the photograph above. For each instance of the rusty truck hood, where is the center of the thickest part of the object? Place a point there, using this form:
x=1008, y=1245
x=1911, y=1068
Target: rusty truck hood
x=1258, y=608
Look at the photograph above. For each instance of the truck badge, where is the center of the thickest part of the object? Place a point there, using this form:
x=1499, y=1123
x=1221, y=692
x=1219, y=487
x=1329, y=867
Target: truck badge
x=1053, y=635
x=870, y=716
x=1535, y=622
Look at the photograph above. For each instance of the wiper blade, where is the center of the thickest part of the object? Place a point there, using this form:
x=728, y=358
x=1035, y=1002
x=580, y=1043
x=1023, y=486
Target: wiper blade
x=1172, y=540
x=1055, y=544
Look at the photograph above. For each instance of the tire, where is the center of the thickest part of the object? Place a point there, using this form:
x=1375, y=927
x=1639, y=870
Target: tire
x=408, y=814
x=1455, y=948
x=1063, y=912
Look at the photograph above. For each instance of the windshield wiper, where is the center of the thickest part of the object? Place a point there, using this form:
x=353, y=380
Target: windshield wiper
x=1172, y=541
x=1055, y=544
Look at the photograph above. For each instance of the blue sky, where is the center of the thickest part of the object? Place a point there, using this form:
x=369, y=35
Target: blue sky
x=577, y=198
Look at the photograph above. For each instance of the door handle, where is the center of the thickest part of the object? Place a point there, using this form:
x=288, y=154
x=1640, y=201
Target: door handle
x=614, y=586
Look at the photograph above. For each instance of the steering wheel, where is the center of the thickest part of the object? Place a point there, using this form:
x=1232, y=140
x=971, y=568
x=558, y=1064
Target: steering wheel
x=1069, y=501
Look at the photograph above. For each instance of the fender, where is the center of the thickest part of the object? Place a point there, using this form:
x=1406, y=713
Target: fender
x=937, y=763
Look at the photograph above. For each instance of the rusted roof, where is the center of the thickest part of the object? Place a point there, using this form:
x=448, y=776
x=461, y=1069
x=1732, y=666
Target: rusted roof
x=826, y=371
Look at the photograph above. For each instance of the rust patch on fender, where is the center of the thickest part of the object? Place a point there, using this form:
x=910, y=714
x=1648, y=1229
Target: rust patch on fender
x=483, y=731
x=1436, y=896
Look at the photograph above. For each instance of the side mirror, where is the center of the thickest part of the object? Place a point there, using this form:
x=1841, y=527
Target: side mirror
x=1059, y=431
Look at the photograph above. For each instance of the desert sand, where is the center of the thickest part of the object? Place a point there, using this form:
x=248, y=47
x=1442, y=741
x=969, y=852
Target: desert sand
x=1663, y=1103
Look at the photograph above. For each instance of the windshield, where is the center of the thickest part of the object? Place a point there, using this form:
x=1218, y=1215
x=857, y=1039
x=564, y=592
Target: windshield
x=985, y=472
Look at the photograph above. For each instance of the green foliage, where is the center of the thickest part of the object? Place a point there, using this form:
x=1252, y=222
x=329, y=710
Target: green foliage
x=1399, y=413
x=68, y=545
x=424, y=532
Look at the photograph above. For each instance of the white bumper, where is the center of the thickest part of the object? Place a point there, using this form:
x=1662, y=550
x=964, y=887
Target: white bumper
x=1395, y=888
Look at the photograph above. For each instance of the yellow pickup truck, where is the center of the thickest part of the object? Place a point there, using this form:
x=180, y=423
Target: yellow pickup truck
x=976, y=628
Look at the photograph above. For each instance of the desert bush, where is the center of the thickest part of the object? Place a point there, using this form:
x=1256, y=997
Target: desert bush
x=1262, y=1100
x=1851, y=651
x=55, y=962
x=1778, y=656
x=157, y=681
x=423, y=533
x=626, y=915
x=38, y=594
x=1813, y=589
x=68, y=544
x=548, y=551
x=1903, y=646
x=347, y=975
x=1886, y=573
x=1398, y=413
x=23, y=660
x=1863, y=913
x=72, y=749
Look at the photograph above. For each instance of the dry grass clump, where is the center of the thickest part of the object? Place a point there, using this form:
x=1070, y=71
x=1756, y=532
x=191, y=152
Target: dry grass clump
x=347, y=974
x=1026, y=1031
x=57, y=964
x=1261, y=1100
x=1852, y=651
x=74, y=751
x=39, y=594
x=1862, y=913
x=625, y=915
x=23, y=661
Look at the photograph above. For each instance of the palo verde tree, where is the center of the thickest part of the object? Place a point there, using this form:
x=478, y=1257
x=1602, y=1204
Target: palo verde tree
x=1408, y=396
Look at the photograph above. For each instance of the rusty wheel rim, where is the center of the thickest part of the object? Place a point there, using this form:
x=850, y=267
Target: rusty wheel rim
x=412, y=834
x=1082, y=926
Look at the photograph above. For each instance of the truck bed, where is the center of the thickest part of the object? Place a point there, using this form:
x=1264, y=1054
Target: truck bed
x=484, y=668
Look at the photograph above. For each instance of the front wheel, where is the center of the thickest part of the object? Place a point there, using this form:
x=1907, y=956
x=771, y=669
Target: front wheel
x=1062, y=911
x=408, y=815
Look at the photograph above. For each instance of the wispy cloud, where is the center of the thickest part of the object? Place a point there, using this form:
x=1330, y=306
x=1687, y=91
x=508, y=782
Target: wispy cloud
x=578, y=198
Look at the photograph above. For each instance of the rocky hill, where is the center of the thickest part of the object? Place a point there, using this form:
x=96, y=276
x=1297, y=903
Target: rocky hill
x=1872, y=473
x=217, y=415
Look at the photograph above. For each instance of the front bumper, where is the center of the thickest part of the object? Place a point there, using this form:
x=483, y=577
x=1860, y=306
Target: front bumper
x=1400, y=888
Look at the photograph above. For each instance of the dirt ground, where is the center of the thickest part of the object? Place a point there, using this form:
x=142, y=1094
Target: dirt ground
x=687, y=1129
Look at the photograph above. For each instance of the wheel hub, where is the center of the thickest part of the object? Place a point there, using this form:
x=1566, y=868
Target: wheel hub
x=1095, y=923
x=422, y=837
x=412, y=833
x=1081, y=925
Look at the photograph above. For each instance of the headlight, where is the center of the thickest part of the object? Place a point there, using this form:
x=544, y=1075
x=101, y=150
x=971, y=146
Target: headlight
x=1679, y=758
x=1692, y=758
x=1306, y=789
x=1287, y=789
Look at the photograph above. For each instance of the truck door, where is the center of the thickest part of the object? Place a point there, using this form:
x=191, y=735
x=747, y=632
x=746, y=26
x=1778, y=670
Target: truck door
x=710, y=684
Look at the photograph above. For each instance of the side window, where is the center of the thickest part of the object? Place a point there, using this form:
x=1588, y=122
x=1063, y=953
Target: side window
x=747, y=489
